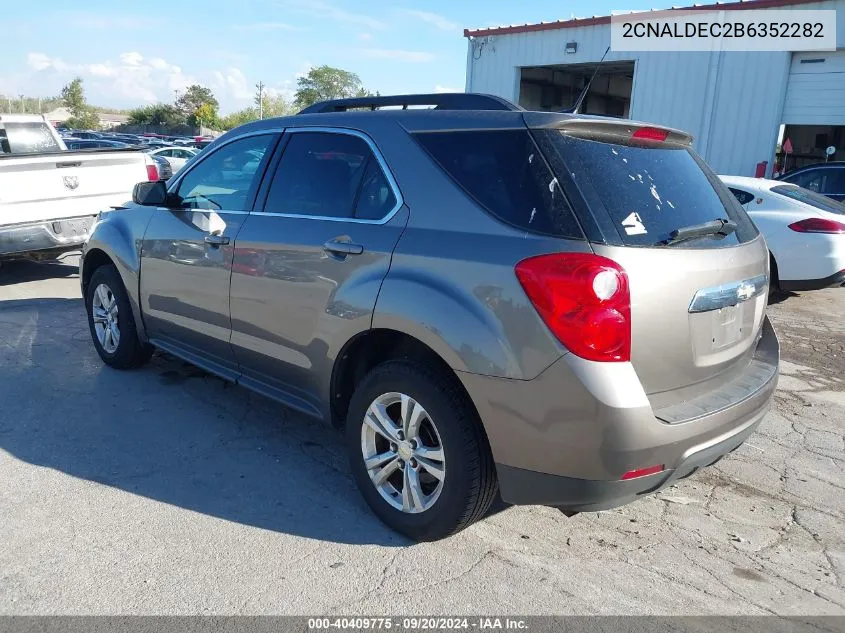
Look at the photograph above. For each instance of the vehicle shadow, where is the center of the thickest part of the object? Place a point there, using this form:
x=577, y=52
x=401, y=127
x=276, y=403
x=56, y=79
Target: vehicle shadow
x=170, y=432
x=20, y=271
x=779, y=296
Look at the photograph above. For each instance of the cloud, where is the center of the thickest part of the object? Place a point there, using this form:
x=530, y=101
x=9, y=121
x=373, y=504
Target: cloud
x=436, y=20
x=266, y=26
x=233, y=82
x=441, y=89
x=365, y=37
x=414, y=57
x=131, y=78
x=327, y=11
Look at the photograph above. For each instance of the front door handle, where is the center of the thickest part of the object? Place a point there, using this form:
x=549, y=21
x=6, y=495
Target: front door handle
x=216, y=240
x=340, y=247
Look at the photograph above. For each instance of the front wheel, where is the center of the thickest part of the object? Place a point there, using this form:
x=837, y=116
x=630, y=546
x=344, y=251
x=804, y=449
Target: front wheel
x=111, y=322
x=418, y=452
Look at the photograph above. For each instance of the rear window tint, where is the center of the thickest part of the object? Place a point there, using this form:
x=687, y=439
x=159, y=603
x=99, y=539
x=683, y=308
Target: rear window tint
x=28, y=138
x=806, y=196
x=505, y=173
x=649, y=192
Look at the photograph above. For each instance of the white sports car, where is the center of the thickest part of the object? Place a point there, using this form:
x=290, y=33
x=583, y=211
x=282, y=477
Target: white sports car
x=805, y=231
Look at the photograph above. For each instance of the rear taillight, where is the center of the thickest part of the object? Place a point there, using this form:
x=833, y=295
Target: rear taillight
x=584, y=300
x=152, y=172
x=818, y=225
x=650, y=134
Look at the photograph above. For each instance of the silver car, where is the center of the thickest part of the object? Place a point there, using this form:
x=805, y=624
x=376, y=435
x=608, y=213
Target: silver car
x=565, y=310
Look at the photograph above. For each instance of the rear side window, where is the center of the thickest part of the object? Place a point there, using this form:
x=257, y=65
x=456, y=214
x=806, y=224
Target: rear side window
x=505, y=173
x=649, y=190
x=28, y=138
x=330, y=175
x=806, y=196
x=743, y=196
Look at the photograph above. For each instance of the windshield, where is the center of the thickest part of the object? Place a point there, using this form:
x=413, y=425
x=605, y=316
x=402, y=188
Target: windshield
x=651, y=190
x=806, y=196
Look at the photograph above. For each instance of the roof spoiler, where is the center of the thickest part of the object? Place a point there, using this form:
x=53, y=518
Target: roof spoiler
x=440, y=101
x=575, y=108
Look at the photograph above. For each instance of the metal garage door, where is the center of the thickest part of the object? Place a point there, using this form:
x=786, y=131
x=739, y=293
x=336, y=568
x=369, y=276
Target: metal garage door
x=815, y=93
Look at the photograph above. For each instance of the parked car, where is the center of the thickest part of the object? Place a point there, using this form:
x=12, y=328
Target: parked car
x=570, y=311
x=824, y=178
x=86, y=134
x=85, y=143
x=805, y=231
x=175, y=156
x=49, y=196
x=165, y=171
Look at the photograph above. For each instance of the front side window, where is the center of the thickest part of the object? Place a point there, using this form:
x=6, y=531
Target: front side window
x=228, y=178
x=329, y=175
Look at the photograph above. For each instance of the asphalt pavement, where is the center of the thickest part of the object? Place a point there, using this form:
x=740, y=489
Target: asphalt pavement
x=167, y=491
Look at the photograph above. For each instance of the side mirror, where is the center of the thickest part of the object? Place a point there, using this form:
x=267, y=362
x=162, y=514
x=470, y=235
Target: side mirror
x=150, y=194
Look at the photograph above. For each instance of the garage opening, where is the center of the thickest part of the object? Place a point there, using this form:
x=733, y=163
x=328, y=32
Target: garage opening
x=809, y=145
x=555, y=88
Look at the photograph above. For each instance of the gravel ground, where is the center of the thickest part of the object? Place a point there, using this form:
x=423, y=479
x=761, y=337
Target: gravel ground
x=166, y=491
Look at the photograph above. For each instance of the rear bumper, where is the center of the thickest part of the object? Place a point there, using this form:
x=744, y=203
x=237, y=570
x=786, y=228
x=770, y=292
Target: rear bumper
x=590, y=495
x=833, y=281
x=54, y=236
x=567, y=437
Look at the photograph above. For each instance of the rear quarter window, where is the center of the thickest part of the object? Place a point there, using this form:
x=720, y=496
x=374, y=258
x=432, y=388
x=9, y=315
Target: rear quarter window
x=505, y=173
x=648, y=190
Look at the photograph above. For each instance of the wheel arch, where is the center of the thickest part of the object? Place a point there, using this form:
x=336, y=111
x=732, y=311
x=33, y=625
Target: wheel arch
x=371, y=348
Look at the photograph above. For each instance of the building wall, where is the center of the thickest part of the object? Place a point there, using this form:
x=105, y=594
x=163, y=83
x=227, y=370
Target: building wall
x=732, y=103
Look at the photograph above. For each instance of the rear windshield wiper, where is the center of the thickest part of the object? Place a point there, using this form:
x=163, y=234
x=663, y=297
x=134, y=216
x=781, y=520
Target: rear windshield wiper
x=719, y=227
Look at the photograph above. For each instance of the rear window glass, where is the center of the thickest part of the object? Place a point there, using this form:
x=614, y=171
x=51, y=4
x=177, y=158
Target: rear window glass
x=806, y=196
x=649, y=191
x=505, y=173
x=28, y=138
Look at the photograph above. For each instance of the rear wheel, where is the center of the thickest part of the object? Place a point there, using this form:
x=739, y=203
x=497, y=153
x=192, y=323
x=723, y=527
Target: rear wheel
x=417, y=451
x=111, y=322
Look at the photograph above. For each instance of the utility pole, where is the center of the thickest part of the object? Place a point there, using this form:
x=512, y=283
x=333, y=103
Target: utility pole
x=260, y=87
x=176, y=96
x=23, y=107
x=39, y=105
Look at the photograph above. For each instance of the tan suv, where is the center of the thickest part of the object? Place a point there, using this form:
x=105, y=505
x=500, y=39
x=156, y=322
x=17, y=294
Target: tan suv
x=567, y=309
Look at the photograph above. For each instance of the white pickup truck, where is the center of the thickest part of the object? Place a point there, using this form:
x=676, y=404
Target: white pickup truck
x=49, y=196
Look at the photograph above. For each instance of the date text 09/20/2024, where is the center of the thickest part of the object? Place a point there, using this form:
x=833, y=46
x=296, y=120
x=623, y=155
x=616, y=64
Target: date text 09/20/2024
x=416, y=623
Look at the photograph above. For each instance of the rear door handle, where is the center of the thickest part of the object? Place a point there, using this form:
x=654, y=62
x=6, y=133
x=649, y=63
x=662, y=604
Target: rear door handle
x=340, y=247
x=216, y=240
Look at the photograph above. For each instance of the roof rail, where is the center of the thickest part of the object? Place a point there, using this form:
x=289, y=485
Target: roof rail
x=440, y=101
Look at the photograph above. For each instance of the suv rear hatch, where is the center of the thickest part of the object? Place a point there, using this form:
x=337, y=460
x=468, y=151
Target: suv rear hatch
x=697, y=303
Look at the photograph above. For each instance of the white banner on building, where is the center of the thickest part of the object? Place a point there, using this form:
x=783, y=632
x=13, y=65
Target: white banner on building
x=732, y=30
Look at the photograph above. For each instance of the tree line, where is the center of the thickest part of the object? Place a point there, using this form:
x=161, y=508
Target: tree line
x=198, y=107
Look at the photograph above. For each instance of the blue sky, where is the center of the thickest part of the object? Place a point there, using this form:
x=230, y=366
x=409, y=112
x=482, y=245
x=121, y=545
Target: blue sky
x=137, y=52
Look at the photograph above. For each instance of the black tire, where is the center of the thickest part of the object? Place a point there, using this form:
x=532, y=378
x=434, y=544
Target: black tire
x=130, y=352
x=470, y=483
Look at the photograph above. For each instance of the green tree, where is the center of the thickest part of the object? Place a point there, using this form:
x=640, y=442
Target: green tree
x=274, y=106
x=204, y=116
x=194, y=98
x=157, y=114
x=82, y=115
x=326, y=82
